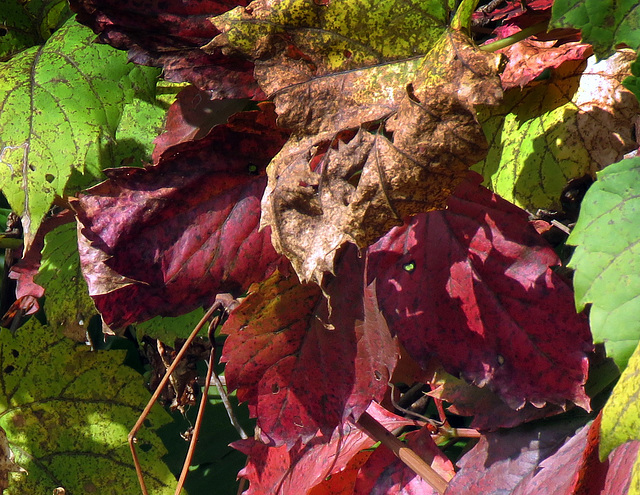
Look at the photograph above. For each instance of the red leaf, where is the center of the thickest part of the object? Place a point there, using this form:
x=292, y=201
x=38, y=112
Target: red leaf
x=283, y=471
x=385, y=473
x=194, y=113
x=503, y=461
x=165, y=240
x=300, y=369
x=473, y=286
x=169, y=34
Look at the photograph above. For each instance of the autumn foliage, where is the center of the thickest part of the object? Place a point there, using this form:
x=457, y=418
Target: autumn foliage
x=399, y=197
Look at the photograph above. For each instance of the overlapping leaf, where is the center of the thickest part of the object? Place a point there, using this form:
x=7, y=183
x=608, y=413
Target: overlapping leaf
x=300, y=369
x=606, y=259
x=165, y=240
x=59, y=111
x=547, y=459
x=496, y=313
x=577, y=122
x=604, y=24
x=369, y=146
x=284, y=471
x=169, y=35
x=67, y=411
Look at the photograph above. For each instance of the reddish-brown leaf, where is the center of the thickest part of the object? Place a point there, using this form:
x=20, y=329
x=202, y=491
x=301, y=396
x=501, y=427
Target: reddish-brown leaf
x=284, y=471
x=473, y=286
x=385, y=473
x=169, y=34
x=165, y=240
x=300, y=369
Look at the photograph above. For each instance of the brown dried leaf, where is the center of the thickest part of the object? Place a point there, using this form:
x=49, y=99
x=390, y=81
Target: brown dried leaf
x=373, y=146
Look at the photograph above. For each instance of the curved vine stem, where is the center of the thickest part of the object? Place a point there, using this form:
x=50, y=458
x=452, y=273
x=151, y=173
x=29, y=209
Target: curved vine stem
x=218, y=304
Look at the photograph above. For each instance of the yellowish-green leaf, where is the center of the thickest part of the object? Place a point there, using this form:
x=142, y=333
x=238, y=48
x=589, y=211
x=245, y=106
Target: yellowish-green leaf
x=67, y=412
x=576, y=122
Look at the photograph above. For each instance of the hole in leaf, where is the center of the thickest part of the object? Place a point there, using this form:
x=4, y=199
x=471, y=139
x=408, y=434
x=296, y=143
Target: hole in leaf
x=32, y=167
x=9, y=369
x=378, y=375
x=3, y=31
x=347, y=54
x=14, y=353
x=500, y=359
x=252, y=168
x=147, y=423
x=49, y=178
x=354, y=180
x=145, y=447
x=275, y=388
x=409, y=267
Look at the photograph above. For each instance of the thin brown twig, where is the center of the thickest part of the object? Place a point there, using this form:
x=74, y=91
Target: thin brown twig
x=200, y=415
x=132, y=434
x=412, y=460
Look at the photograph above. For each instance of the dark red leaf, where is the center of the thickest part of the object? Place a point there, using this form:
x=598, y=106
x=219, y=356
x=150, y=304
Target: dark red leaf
x=165, y=240
x=192, y=116
x=283, y=471
x=301, y=370
x=169, y=34
x=473, y=286
x=385, y=473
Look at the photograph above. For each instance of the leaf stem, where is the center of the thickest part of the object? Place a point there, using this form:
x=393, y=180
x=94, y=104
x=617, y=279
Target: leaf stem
x=514, y=38
x=416, y=463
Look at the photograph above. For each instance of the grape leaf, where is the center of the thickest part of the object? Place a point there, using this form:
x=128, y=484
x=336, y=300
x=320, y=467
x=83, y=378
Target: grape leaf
x=45, y=133
x=67, y=304
x=606, y=259
x=385, y=473
x=604, y=23
x=167, y=329
x=284, y=471
x=164, y=240
x=169, y=34
x=286, y=354
x=27, y=23
x=67, y=411
x=359, y=107
x=576, y=122
x=496, y=312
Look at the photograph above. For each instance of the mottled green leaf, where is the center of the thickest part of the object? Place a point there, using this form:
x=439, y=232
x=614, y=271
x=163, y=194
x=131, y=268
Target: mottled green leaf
x=621, y=414
x=25, y=23
x=574, y=123
x=607, y=258
x=604, y=23
x=296, y=40
x=67, y=411
x=60, y=105
x=67, y=303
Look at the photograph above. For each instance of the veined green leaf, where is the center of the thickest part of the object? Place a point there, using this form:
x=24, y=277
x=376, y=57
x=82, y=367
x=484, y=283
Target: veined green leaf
x=607, y=258
x=60, y=106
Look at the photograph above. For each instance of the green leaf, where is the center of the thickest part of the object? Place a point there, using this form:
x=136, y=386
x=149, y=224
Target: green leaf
x=26, y=23
x=167, y=329
x=60, y=106
x=67, y=303
x=632, y=83
x=604, y=23
x=607, y=258
x=574, y=123
x=67, y=412
x=621, y=414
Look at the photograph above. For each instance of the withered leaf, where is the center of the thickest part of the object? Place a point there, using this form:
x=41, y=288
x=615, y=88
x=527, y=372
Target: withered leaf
x=372, y=147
